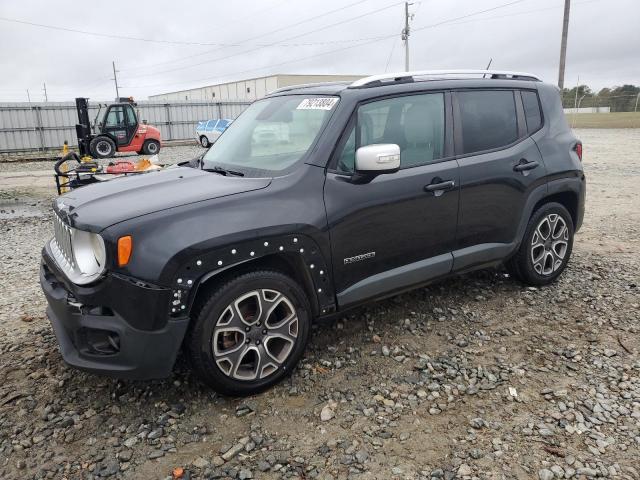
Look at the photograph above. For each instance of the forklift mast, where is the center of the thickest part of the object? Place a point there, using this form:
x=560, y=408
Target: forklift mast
x=83, y=127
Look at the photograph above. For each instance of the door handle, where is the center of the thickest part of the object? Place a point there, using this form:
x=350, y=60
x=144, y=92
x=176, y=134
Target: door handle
x=525, y=165
x=440, y=186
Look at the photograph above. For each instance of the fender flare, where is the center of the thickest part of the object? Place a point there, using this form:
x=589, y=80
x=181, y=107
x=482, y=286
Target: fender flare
x=201, y=267
x=573, y=184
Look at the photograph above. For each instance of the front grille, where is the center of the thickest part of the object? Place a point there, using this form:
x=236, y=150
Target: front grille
x=62, y=240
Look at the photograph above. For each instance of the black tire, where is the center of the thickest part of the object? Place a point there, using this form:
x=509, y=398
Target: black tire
x=102, y=147
x=204, y=141
x=523, y=267
x=215, y=318
x=151, y=147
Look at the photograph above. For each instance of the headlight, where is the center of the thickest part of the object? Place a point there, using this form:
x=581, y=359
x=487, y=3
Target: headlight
x=89, y=253
x=80, y=255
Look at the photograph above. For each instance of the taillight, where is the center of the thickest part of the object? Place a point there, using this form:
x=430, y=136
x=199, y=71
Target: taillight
x=578, y=149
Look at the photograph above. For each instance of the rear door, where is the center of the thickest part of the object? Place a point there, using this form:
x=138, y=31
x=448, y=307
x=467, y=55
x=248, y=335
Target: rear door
x=394, y=230
x=499, y=165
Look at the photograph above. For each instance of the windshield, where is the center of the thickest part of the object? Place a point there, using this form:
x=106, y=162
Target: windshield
x=271, y=135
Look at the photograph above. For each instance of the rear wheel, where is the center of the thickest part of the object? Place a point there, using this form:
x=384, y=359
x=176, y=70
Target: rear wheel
x=546, y=246
x=204, y=141
x=102, y=147
x=250, y=333
x=150, y=147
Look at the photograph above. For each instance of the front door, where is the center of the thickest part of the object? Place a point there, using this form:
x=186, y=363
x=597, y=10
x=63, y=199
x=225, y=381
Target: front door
x=394, y=230
x=120, y=122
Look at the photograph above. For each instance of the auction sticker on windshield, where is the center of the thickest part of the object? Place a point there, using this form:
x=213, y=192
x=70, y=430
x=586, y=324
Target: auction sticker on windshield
x=322, y=103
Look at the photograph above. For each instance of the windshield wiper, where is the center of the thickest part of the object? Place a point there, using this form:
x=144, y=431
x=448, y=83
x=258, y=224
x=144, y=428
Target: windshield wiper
x=223, y=171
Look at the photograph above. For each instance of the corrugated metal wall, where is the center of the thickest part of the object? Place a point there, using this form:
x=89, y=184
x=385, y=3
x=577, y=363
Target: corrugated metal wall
x=40, y=126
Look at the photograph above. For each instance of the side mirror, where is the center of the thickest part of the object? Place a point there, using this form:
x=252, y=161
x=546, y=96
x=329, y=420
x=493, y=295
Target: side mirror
x=378, y=158
x=144, y=122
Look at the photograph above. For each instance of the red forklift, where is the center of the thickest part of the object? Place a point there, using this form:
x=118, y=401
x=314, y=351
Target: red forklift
x=119, y=130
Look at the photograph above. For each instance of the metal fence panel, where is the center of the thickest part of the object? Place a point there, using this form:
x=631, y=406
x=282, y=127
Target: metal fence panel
x=28, y=127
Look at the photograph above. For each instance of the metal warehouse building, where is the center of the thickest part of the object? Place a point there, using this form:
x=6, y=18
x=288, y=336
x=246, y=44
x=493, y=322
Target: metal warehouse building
x=250, y=89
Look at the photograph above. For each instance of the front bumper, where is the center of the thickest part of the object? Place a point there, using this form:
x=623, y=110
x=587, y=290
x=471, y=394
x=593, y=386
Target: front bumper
x=95, y=325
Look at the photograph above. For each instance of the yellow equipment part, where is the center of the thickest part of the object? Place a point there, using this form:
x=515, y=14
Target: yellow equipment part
x=63, y=167
x=145, y=164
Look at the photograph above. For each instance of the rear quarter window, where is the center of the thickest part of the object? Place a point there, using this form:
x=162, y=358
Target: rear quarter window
x=488, y=119
x=532, y=112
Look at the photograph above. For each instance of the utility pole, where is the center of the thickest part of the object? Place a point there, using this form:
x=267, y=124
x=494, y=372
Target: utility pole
x=28, y=96
x=563, y=43
x=44, y=87
x=406, y=31
x=115, y=79
x=637, y=98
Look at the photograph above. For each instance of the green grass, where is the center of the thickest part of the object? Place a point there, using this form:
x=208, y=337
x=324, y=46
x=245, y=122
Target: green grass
x=604, y=120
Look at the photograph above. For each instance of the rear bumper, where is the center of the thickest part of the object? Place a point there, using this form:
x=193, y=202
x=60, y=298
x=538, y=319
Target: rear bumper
x=98, y=338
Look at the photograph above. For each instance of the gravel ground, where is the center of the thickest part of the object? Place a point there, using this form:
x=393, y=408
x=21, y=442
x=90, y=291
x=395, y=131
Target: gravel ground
x=172, y=154
x=475, y=377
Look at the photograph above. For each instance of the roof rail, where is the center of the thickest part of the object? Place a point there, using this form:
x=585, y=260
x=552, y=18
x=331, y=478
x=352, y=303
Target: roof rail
x=308, y=85
x=375, y=80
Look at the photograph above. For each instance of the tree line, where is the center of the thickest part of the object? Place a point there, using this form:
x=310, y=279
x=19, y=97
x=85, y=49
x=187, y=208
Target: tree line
x=619, y=99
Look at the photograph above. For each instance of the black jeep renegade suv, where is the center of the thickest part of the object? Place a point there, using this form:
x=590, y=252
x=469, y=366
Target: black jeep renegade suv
x=316, y=199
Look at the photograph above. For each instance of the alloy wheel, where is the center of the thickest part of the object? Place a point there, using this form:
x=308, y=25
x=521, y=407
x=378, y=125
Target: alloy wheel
x=255, y=334
x=549, y=244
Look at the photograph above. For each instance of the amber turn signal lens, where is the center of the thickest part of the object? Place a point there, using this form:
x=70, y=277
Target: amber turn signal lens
x=125, y=246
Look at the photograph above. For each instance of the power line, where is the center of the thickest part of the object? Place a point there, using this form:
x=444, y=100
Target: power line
x=151, y=40
x=504, y=5
x=259, y=36
x=271, y=44
x=525, y=12
x=373, y=40
x=260, y=48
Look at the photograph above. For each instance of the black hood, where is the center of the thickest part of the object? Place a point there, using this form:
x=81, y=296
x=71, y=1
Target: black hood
x=98, y=206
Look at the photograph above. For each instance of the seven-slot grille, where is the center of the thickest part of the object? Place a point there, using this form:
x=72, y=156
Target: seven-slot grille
x=62, y=240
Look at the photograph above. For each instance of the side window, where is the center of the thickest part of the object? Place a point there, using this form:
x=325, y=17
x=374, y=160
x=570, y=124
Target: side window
x=531, y=110
x=488, y=119
x=115, y=117
x=414, y=122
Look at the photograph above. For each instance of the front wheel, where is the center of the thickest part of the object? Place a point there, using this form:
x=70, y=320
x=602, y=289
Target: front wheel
x=102, y=147
x=250, y=333
x=546, y=246
x=204, y=141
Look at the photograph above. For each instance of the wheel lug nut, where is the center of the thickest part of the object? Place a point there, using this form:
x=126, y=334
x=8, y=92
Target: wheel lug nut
x=257, y=342
x=246, y=329
x=264, y=332
x=247, y=341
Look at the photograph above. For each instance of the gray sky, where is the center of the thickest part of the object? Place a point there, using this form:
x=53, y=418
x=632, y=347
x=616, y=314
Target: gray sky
x=261, y=37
